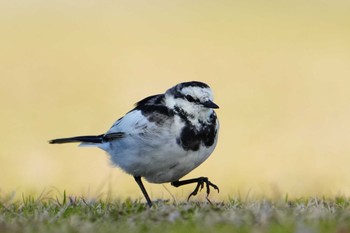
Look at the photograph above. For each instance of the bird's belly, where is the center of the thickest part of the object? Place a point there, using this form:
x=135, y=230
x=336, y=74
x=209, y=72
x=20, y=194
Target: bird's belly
x=159, y=161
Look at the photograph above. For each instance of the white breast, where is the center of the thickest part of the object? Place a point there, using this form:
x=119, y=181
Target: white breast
x=150, y=150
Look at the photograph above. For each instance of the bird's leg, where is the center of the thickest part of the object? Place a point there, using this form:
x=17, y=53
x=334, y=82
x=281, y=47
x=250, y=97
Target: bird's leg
x=200, y=184
x=139, y=182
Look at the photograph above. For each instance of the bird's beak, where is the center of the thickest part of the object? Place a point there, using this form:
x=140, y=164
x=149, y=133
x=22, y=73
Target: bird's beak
x=210, y=104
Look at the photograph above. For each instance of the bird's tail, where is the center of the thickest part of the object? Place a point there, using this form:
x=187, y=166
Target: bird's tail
x=81, y=139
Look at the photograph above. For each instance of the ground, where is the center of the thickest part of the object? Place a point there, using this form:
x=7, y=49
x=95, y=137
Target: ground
x=77, y=214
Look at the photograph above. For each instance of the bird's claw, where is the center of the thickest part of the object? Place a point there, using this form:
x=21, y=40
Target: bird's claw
x=200, y=186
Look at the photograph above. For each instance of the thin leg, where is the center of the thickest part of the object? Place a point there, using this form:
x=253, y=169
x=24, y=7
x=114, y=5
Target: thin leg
x=200, y=185
x=139, y=182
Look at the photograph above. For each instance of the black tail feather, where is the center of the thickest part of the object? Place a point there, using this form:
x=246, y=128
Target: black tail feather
x=88, y=139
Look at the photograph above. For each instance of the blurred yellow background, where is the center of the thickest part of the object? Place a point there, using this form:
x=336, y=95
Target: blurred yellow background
x=280, y=71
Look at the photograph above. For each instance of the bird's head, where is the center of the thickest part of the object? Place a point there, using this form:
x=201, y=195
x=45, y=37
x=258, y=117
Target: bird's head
x=193, y=97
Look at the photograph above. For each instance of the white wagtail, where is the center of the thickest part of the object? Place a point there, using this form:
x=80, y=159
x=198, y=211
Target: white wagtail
x=163, y=138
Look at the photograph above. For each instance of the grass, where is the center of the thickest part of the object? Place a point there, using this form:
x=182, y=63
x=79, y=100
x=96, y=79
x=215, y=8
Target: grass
x=73, y=214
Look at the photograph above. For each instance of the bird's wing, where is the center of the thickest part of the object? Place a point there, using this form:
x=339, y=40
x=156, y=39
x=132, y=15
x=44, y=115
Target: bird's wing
x=132, y=123
x=142, y=117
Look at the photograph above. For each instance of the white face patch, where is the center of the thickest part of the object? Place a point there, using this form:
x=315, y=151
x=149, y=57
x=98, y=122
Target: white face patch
x=200, y=93
x=194, y=109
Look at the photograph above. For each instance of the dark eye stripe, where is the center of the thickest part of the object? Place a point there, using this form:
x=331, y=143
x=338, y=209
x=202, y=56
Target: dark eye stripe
x=191, y=99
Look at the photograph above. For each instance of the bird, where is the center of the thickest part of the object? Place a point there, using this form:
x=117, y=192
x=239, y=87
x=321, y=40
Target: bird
x=163, y=138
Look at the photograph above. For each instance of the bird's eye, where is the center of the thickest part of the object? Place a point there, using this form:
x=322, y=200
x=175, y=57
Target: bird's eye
x=189, y=98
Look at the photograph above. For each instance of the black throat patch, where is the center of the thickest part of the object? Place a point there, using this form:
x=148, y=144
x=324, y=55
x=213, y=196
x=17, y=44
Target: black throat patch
x=191, y=138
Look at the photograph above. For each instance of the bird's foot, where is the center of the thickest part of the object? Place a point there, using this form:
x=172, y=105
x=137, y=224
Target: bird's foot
x=200, y=185
x=201, y=181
